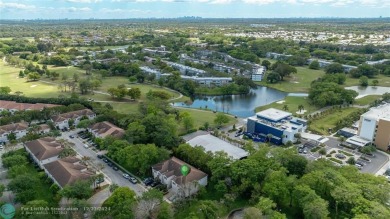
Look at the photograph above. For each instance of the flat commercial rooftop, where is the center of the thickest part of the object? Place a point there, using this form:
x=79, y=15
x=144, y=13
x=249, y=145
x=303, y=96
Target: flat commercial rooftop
x=379, y=112
x=358, y=141
x=214, y=144
x=273, y=114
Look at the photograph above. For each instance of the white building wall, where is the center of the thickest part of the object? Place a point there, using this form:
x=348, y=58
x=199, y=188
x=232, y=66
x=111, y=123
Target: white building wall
x=367, y=128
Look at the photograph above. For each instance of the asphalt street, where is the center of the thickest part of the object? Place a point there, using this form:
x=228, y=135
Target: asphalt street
x=111, y=175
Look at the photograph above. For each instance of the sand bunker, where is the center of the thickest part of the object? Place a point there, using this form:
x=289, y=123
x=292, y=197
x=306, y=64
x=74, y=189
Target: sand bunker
x=301, y=112
x=34, y=85
x=280, y=102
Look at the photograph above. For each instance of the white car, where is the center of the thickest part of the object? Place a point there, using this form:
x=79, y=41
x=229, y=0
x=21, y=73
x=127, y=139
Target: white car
x=86, y=146
x=1, y=147
x=126, y=176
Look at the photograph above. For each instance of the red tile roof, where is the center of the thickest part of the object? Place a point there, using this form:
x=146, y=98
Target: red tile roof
x=13, y=105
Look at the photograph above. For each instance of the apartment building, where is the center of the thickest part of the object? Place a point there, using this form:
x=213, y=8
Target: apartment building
x=374, y=126
x=61, y=121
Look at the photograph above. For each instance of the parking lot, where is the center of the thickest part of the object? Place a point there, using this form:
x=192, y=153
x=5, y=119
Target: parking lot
x=366, y=163
x=111, y=175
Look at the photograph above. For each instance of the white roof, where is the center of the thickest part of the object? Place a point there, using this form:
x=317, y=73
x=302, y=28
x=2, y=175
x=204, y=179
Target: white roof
x=358, y=141
x=273, y=114
x=214, y=144
x=379, y=112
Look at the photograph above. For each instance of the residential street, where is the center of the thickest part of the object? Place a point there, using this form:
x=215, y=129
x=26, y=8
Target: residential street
x=111, y=175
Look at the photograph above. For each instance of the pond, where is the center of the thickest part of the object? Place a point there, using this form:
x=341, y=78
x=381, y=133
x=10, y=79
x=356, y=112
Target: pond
x=369, y=90
x=239, y=105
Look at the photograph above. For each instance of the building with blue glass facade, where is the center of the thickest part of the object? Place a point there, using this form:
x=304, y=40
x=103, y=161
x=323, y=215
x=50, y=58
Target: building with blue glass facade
x=278, y=124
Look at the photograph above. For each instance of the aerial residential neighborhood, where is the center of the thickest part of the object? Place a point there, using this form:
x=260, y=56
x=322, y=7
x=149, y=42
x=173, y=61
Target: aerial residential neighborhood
x=194, y=109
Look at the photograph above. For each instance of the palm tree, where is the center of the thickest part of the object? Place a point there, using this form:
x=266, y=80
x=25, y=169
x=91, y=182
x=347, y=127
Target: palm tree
x=285, y=108
x=301, y=107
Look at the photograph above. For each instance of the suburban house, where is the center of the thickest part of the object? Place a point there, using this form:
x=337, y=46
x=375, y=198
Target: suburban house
x=19, y=129
x=13, y=106
x=278, y=125
x=67, y=170
x=44, y=128
x=168, y=172
x=44, y=150
x=104, y=129
x=62, y=120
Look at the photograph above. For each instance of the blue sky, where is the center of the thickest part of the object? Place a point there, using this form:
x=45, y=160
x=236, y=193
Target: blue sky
x=84, y=9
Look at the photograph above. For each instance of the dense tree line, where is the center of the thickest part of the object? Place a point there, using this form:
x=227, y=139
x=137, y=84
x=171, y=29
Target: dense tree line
x=327, y=93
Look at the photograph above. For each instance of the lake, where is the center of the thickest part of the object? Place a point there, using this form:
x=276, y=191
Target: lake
x=369, y=90
x=239, y=105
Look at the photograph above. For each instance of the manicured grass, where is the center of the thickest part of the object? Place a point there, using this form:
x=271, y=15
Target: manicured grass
x=367, y=100
x=336, y=160
x=299, y=82
x=329, y=121
x=292, y=104
x=125, y=107
x=383, y=81
x=203, y=116
x=345, y=153
x=67, y=70
x=9, y=76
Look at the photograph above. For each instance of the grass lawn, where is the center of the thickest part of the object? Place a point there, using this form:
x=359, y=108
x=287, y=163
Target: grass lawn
x=9, y=77
x=367, y=100
x=292, y=104
x=299, y=82
x=125, y=107
x=322, y=125
x=383, y=81
x=202, y=116
x=68, y=70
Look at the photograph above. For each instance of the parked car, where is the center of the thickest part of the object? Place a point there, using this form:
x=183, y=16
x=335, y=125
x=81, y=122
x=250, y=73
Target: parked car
x=115, y=168
x=300, y=150
x=148, y=181
x=86, y=146
x=99, y=180
x=126, y=176
x=133, y=180
x=105, y=160
x=340, y=156
x=305, y=150
x=110, y=164
x=154, y=184
x=1, y=147
x=71, y=136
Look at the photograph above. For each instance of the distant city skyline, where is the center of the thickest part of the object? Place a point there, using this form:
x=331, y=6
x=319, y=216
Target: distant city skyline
x=122, y=9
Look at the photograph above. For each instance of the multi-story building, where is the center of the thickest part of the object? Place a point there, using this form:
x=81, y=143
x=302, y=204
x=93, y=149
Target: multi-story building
x=258, y=73
x=67, y=170
x=104, y=129
x=276, y=124
x=19, y=129
x=374, y=126
x=61, y=121
x=208, y=81
x=169, y=174
x=148, y=70
x=377, y=62
x=278, y=56
x=185, y=70
x=13, y=106
x=44, y=150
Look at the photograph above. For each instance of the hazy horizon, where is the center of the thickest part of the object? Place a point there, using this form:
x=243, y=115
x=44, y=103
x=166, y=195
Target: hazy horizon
x=129, y=9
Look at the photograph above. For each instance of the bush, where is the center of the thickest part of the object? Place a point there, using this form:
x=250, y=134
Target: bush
x=336, y=160
x=345, y=153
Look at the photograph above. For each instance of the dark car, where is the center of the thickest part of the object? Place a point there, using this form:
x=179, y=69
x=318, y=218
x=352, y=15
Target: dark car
x=71, y=136
x=340, y=156
x=133, y=180
x=105, y=160
x=115, y=168
x=154, y=184
x=99, y=156
x=110, y=164
x=148, y=181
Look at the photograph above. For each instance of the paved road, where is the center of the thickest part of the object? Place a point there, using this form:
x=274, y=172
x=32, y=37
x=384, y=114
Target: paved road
x=111, y=175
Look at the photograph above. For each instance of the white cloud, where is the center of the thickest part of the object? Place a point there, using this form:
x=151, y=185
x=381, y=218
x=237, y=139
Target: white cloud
x=120, y=10
x=74, y=9
x=15, y=6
